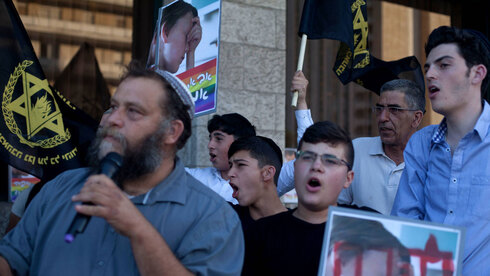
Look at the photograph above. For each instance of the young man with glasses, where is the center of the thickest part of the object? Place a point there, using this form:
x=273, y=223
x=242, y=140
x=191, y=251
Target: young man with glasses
x=379, y=160
x=290, y=243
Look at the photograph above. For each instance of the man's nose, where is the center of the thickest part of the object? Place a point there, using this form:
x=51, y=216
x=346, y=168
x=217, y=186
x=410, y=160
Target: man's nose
x=430, y=73
x=317, y=164
x=114, y=118
x=231, y=172
x=384, y=115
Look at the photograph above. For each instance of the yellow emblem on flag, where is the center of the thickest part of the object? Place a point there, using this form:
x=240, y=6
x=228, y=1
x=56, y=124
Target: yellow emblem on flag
x=37, y=106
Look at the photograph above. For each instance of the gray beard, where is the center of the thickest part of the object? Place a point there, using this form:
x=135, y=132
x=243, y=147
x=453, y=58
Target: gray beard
x=137, y=162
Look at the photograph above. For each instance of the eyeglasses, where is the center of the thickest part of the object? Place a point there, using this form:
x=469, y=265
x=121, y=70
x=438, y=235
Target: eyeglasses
x=328, y=160
x=378, y=109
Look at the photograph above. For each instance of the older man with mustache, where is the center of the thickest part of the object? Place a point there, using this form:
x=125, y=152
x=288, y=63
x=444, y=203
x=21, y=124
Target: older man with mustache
x=378, y=161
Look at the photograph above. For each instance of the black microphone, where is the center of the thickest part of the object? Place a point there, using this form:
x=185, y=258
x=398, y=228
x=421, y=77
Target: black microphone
x=109, y=165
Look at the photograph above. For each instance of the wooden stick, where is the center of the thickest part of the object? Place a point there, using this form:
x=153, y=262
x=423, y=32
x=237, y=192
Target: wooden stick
x=301, y=58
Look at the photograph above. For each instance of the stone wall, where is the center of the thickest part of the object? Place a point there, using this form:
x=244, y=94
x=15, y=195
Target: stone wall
x=252, y=66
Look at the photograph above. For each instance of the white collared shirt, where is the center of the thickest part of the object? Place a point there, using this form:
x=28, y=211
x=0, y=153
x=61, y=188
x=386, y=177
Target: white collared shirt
x=211, y=178
x=376, y=177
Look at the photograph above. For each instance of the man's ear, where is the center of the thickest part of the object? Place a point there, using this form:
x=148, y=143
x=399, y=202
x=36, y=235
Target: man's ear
x=163, y=34
x=417, y=119
x=173, y=132
x=268, y=173
x=478, y=73
x=348, y=179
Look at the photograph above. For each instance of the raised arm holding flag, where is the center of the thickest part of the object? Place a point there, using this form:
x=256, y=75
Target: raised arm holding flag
x=346, y=21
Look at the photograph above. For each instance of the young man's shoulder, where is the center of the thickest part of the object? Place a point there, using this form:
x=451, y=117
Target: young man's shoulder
x=423, y=136
x=276, y=219
x=241, y=210
x=428, y=130
x=212, y=179
x=196, y=185
x=284, y=224
x=271, y=224
x=201, y=172
x=283, y=244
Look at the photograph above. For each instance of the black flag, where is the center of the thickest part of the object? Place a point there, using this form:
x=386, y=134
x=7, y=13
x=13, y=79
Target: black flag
x=346, y=21
x=41, y=132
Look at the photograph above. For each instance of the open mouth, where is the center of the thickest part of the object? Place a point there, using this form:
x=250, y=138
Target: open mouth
x=433, y=90
x=314, y=183
x=212, y=157
x=235, y=190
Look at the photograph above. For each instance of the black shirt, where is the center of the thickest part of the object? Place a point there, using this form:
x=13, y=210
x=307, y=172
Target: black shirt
x=244, y=215
x=283, y=245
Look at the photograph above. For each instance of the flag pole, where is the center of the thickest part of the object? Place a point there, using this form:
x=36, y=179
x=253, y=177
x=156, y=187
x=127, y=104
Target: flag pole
x=301, y=58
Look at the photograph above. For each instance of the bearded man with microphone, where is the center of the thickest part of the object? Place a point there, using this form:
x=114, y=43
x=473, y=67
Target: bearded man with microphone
x=151, y=218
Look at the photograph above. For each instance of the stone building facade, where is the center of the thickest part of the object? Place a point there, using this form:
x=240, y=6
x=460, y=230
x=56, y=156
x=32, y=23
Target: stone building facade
x=252, y=78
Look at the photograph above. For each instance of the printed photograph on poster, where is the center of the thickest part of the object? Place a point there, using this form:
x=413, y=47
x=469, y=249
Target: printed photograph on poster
x=186, y=42
x=364, y=243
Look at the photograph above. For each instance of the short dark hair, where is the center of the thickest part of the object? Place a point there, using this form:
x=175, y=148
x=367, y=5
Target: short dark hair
x=329, y=133
x=473, y=46
x=261, y=148
x=173, y=108
x=414, y=96
x=359, y=235
x=174, y=11
x=232, y=124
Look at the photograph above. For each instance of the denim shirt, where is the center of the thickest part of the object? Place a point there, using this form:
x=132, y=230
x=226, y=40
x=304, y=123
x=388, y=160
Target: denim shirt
x=203, y=232
x=453, y=190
